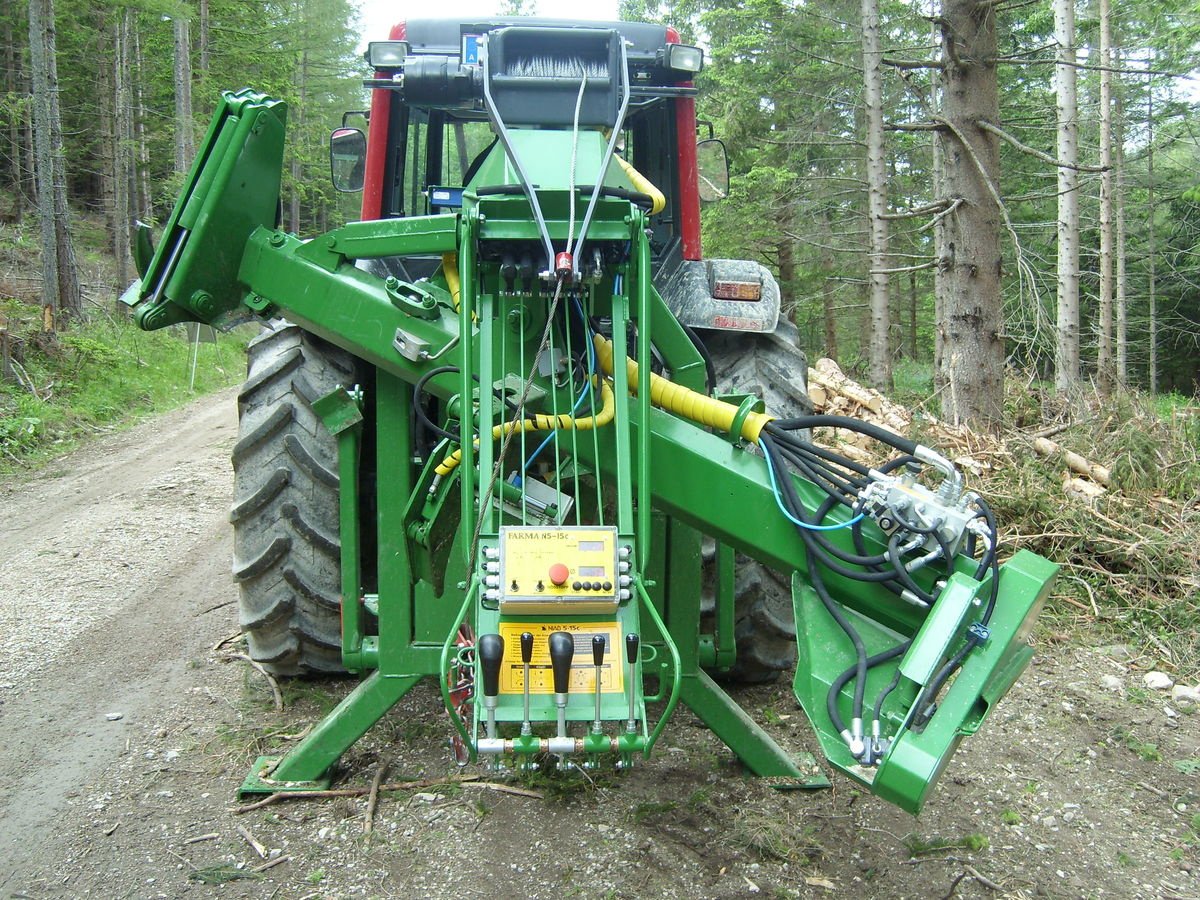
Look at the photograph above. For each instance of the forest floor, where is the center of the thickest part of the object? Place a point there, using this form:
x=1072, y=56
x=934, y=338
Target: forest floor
x=125, y=731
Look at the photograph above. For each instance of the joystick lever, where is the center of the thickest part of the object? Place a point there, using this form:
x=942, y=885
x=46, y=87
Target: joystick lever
x=632, y=643
x=491, y=655
x=562, y=651
x=598, y=645
x=526, y=658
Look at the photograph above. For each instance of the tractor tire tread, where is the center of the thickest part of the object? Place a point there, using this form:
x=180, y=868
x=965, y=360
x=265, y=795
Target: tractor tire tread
x=287, y=544
x=773, y=367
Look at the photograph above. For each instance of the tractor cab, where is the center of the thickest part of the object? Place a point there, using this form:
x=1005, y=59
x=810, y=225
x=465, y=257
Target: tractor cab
x=432, y=129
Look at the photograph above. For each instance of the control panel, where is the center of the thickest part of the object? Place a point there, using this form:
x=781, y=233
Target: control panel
x=558, y=571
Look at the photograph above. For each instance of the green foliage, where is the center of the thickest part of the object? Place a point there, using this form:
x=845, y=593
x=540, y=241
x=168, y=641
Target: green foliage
x=100, y=374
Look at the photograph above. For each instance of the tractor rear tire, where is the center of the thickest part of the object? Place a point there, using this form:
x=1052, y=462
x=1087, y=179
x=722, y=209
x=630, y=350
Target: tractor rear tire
x=773, y=367
x=287, y=553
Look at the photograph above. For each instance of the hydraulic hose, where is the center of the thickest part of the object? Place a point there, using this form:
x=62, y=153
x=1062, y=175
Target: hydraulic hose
x=683, y=401
x=644, y=185
x=541, y=422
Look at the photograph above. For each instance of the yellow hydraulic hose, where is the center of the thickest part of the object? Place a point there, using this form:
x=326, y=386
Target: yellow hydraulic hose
x=541, y=422
x=644, y=185
x=684, y=401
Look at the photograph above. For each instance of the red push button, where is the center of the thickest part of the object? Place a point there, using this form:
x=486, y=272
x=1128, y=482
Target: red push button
x=559, y=574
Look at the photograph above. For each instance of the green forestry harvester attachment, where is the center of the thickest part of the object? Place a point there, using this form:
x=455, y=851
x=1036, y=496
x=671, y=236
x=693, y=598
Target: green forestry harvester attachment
x=508, y=432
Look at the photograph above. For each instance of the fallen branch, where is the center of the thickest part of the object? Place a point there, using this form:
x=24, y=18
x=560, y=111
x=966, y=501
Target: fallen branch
x=505, y=789
x=1076, y=463
x=352, y=792
x=257, y=847
x=270, y=863
x=276, y=694
x=373, y=798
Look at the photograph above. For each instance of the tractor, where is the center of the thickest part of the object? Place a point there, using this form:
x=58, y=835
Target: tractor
x=511, y=432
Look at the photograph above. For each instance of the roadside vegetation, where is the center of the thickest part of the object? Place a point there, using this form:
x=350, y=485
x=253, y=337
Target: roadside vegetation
x=100, y=372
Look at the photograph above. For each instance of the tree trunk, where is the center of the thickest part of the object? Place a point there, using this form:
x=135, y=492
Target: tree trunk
x=1150, y=243
x=880, y=370
x=145, y=199
x=122, y=163
x=1066, y=349
x=939, y=228
x=106, y=152
x=912, y=315
x=972, y=364
x=1119, y=214
x=828, y=289
x=60, y=281
x=184, y=142
x=1105, y=373
x=12, y=85
x=204, y=21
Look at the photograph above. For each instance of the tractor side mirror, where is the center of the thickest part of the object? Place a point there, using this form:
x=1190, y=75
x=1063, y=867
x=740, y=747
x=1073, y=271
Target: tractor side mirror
x=347, y=159
x=712, y=163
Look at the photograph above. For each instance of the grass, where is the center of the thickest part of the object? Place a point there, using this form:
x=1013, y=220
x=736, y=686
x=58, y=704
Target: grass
x=97, y=375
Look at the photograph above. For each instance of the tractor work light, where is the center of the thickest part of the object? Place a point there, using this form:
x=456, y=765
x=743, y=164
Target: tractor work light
x=681, y=58
x=387, y=54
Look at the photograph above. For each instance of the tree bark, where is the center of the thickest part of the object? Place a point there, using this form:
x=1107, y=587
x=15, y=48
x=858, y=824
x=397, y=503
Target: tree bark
x=184, y=141
x=828, y=290
x=12, y=85
x=1150, y=242
x=1105, y=374
x=880, y=369
x=145, y=200
x=60, y=281
x=204, y=22
x=1119, y=224
x=1066, y=355
x=122, y=161
x=972, y=364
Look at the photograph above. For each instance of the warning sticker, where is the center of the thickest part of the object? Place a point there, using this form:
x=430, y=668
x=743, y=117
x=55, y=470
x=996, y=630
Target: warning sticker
x=583, y=672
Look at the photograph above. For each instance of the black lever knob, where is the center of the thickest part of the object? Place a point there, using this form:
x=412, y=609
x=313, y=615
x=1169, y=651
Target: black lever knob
x=598, y=644
x=631, y=647
x=562, y=651
x=491, y=654
x=526, y=647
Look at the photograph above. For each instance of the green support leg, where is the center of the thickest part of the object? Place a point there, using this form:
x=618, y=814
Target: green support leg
x=306, y=767
x=754, y=747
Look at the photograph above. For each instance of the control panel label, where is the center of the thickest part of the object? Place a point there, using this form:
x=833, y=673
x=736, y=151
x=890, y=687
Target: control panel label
x=583, y=672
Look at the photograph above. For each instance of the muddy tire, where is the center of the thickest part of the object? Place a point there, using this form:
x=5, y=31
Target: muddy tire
x=774, y=368
x=287, y=554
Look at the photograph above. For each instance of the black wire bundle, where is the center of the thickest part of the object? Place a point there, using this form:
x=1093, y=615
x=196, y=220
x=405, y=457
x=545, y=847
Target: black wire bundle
x=843, y=480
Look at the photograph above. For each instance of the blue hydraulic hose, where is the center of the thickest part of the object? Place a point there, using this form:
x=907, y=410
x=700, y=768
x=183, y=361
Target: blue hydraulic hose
x=779, y=502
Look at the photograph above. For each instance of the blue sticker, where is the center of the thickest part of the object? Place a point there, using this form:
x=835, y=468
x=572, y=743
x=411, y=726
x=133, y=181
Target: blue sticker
x=470, y=50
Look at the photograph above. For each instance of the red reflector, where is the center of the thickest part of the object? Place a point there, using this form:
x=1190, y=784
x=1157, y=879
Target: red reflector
x=737, y=290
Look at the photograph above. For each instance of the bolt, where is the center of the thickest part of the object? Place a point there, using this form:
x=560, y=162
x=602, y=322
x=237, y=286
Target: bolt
x=391, y=283
x=202, y=302
x=277, y=239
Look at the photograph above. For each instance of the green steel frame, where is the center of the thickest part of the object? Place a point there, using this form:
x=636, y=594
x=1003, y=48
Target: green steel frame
x=674, y=481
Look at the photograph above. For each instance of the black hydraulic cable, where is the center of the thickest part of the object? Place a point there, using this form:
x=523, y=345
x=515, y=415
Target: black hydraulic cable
x=797, y=450
x=797, y=423
x=902, y=573
x=883, y=695
x=781, y=437
x=710, y=368
x=830, y=482
x=842, y=680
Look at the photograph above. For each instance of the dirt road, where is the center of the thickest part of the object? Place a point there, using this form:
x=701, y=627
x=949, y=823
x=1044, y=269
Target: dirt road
x=124, y=735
